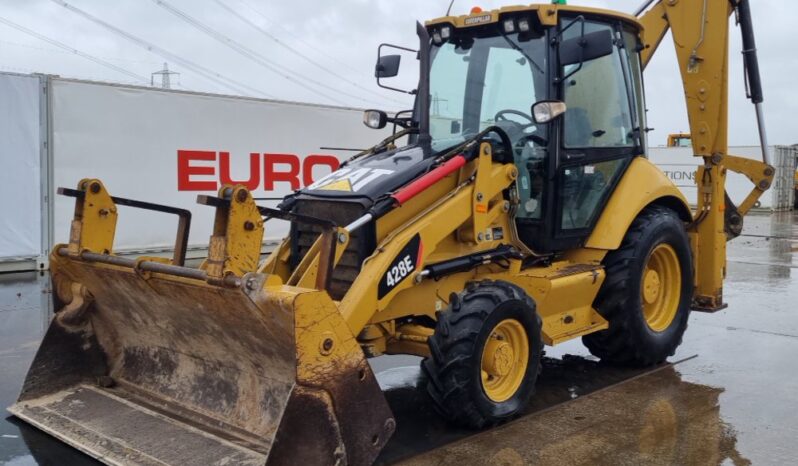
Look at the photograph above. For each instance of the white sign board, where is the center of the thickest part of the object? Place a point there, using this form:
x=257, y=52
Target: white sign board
x=680, y=166
x=20, y=152
x=167, y=147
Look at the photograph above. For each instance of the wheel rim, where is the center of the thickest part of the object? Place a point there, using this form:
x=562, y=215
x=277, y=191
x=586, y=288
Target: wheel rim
x=505, y=357
x=661, y=287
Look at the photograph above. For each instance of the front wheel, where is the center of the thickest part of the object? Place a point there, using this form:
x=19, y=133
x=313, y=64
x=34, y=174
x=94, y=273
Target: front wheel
x=647, y=292
x=485, y=354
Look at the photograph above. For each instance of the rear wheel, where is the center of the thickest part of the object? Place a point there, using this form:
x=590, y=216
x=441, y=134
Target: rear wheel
x=485, y=354
x=646, y=294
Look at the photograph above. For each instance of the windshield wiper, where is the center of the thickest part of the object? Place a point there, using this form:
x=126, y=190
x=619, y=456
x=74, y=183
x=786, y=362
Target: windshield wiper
x=522, y=52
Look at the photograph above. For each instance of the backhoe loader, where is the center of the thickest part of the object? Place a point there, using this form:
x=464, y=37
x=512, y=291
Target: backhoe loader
x=519, y=211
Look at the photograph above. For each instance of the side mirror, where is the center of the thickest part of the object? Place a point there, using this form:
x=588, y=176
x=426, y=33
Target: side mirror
x=547, y=110
x=387, y=66
x=585, y=48
x=375, y=119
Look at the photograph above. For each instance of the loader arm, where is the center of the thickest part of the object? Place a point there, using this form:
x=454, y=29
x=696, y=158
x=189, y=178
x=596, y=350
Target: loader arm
x=700, y=30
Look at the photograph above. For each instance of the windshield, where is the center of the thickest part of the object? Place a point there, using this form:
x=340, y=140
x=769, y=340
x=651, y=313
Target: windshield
x=479, y=82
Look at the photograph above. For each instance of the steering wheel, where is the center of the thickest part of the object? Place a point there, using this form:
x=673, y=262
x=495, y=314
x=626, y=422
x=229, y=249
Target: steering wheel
x=501, y=116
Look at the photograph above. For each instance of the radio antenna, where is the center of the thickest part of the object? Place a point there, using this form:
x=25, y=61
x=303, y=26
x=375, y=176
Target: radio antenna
x=449, y=10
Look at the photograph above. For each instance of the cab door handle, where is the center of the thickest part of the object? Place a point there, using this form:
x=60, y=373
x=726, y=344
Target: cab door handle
x=571, y=157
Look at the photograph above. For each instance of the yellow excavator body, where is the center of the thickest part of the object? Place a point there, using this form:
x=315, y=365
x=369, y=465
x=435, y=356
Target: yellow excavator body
x=481, y=240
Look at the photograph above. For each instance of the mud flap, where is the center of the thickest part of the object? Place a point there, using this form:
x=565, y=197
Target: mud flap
x=160, y=369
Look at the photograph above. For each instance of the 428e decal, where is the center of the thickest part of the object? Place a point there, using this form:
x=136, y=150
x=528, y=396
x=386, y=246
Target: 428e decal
x=402, y=266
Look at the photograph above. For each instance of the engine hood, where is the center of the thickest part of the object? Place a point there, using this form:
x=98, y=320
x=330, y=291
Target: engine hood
x=371, y=177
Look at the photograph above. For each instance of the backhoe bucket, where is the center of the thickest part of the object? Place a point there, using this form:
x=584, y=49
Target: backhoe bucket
x=162, y=367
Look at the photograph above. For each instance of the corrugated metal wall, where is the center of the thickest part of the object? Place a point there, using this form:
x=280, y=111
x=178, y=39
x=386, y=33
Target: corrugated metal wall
x=784, y=160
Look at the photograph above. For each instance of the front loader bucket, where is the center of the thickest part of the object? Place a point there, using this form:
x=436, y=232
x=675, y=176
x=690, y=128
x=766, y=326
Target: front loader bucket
x=140, y=367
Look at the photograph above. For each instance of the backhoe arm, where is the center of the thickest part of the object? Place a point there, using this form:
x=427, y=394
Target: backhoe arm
x=700, y=30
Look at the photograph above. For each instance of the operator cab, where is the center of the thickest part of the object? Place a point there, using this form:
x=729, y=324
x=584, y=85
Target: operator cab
x=490, y=69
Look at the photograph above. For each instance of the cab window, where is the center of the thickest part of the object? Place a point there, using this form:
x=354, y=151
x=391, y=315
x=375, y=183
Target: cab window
x=596, y=95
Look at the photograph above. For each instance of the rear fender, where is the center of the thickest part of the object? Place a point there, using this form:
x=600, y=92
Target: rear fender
x=642, y=185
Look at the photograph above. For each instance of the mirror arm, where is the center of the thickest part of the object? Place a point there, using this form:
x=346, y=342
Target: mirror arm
x=379, y=55
x=402, y=122
x=579, y=19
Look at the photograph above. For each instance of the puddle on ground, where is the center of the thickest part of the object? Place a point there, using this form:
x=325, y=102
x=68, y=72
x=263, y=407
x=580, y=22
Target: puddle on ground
x=420, y=428
x=654, y=419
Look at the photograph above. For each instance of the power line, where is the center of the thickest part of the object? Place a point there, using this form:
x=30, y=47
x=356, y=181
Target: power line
x=208, y=74
x=75, y=51
x=288, y=74
x=246, y=52
x=297, y=52
x=298, y=38
x=52, y=50
x=82, y=77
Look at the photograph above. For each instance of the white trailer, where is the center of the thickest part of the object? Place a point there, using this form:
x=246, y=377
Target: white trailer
x=163, y=146
x=24, y=174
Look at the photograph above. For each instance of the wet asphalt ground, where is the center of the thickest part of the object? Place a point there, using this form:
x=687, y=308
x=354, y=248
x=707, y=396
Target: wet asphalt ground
x=728, y=396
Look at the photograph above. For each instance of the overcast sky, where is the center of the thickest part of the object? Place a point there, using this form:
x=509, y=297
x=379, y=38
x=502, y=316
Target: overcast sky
x=341, y=38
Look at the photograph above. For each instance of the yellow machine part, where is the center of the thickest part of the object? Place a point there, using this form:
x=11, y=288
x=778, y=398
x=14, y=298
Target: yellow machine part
x=642, y=184
x=679, y=140
x=169, y=370
x=547, y=14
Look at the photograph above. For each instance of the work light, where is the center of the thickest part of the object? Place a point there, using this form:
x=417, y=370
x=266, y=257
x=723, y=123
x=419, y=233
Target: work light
x=523, y=25
x=446, y=32
x=375, y=119
x=509, y=25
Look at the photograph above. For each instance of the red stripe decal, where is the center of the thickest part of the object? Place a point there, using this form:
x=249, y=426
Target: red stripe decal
x=413, y=189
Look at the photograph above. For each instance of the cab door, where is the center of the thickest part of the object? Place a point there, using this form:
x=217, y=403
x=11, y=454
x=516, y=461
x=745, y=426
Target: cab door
x=600, y=133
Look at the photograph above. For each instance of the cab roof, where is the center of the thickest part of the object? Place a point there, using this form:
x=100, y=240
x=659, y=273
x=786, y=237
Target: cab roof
x=547, y=14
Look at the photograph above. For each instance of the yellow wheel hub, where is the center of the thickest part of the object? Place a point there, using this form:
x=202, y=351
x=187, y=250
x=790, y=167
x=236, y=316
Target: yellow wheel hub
x=651, y=284
x=661, y=287
x=504, y=360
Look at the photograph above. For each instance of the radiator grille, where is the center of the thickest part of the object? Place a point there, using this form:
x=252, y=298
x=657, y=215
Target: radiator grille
x=361, y=243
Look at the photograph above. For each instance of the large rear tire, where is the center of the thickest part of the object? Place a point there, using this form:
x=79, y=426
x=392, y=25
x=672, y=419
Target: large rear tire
x=486, y=353
x=647, y=292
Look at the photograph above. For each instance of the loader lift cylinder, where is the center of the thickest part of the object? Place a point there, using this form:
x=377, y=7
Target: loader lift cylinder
x=410, y=191
x=445, y=165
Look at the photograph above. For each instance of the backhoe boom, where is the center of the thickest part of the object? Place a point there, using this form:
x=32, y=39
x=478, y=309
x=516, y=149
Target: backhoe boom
x=700, y=30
